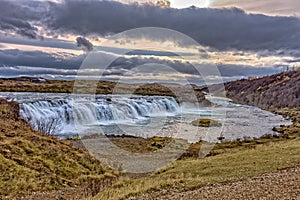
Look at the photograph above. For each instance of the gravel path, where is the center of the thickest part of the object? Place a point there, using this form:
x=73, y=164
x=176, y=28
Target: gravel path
x=280, y=185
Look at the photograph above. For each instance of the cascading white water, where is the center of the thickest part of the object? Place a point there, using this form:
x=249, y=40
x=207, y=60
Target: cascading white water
x=58, y=115
x=67, y=115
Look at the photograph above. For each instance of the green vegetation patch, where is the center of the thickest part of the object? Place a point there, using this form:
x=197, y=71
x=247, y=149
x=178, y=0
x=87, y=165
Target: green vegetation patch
x=293, y=114
x=204, y=122
x=140, y=145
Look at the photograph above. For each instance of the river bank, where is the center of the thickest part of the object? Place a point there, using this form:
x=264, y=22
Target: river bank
x=234, y=162
x=227, y=161
x=179, y=92
x=32, y=162
x=142, y=116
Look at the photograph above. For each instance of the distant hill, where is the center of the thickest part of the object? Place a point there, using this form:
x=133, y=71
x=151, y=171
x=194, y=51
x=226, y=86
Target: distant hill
x=27, y=84
x=269, y=92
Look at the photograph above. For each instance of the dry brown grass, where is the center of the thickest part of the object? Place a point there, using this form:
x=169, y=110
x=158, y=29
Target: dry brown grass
x=179, y=92
x=140, y=145
x=293, y=114
x=228, y=161
x=191, y=173
x=33, y=162
x=30, y=161
x=269, y=92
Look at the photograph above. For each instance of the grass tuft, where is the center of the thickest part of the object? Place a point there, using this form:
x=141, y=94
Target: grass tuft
x=204, y=122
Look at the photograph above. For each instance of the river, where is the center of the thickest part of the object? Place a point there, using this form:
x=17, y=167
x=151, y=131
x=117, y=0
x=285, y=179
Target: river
x=67, y=115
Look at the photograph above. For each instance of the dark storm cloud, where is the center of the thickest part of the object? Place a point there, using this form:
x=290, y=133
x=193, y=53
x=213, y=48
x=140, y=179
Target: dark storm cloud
x=129, y=64
x=49, y=42
x=15, y=57
x=36, y=63
x=124, y=66
x=18, y=26
x=218, y=28
x=245, y=71
x=35, y=71
x=120, y=65
x=293, y=61
x=20, y=16
x=84, y=43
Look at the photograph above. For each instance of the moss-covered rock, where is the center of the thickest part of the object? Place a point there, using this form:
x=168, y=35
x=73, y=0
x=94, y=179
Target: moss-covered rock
x=204, y=122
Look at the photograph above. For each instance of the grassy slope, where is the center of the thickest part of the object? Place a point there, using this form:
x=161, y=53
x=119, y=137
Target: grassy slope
x=270, y=92
x=233, y=160
x=31, y=161
x=190, y=173
x=279, y=93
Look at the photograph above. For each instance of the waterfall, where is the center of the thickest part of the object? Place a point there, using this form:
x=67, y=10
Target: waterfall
x=69, y=115
x=59, y=115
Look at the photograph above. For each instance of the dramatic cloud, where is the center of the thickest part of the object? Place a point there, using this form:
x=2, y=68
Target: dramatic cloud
x=84, y=43
x=16, y=57
x=217, y=28
x=49, y=42
x=18, y=71
x=19, y=26
x=273, y=7
x=36, y=63
x=20, y=17
x=265, y=39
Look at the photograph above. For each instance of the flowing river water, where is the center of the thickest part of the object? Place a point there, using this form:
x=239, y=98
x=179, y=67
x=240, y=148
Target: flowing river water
x=66, y=115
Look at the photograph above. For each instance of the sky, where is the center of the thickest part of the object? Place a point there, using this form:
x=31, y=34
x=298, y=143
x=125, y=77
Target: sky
x=54, y=39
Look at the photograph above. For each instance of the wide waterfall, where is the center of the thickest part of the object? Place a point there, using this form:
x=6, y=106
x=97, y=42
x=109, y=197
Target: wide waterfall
x=69, y=115
x=59, y=115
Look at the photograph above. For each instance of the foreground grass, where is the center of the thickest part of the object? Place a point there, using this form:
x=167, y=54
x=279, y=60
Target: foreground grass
x=228, y=161
x=33, y=162
x=190, y=173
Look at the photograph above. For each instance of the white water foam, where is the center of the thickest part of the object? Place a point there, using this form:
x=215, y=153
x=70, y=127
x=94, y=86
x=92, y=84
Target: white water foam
x=141, y=116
